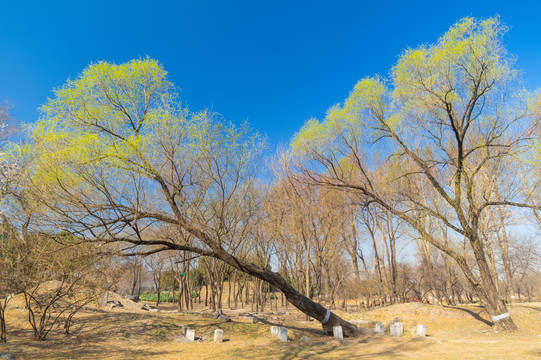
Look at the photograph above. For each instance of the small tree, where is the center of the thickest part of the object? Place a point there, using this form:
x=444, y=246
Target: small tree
x=60, y=280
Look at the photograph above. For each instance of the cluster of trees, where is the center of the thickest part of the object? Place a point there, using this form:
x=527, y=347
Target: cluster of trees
x=443, y=154
x=330, y=254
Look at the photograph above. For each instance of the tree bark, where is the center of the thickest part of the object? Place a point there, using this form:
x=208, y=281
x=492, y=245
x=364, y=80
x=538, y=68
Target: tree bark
x=3, y=333
x=487, y=292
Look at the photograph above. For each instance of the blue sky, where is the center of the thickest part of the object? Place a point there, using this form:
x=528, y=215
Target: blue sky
x=274, y=63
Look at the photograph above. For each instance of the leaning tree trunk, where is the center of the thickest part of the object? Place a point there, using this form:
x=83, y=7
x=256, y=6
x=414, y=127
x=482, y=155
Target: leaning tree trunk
x=3, y=333
x=488, y=292
x=494, y=305
x=300, y=301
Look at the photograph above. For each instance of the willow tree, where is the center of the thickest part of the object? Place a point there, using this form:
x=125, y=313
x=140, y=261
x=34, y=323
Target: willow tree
x=117, y=158
x=453, y=121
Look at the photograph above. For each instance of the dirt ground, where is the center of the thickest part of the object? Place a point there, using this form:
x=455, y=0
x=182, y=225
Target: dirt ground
x=129, y=333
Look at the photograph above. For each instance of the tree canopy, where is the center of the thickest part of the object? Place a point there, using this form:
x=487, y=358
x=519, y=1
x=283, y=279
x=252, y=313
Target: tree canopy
x=116, y=143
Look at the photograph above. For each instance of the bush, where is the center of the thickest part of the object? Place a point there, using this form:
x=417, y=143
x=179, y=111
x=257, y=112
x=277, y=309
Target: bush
x=164, y=297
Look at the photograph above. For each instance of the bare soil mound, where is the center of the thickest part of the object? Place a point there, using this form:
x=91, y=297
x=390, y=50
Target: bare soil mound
x=49, y=286
x=114, y=301
x=108, y=300
x=440, y=319
x=429, y=312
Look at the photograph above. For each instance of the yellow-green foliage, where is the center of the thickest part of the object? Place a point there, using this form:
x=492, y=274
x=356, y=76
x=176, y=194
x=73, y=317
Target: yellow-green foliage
x=537, y=111
x=313, y=134
x=344, y=122
x=469, y=50
x=422, y=83
x=119, y=125
x=107, y=114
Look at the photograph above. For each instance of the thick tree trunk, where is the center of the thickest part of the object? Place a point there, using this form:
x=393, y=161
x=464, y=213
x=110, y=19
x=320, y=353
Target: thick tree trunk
x=494, y=305
x=212, y=297
x=488, y=292
x=220, y=288
x=450, y=293
x=3, y=334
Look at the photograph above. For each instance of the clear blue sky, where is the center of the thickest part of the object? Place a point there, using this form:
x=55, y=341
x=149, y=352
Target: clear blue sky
x=275, y=63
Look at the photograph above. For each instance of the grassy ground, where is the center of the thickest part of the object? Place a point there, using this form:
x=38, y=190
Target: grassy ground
x=454, y=333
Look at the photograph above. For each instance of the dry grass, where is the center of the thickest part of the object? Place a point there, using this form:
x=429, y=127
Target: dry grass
x=454, y=333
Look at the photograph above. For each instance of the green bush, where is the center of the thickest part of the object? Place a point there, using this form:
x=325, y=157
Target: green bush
x=164, y=297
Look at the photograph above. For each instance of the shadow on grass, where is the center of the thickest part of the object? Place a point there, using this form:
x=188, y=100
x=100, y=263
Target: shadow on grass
x=475, y=315
x=95, y=336
x=365, y=348
x=304, y=329
x=537, y=353
x=529, y=307
x=113, y=335
x=86, y=352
